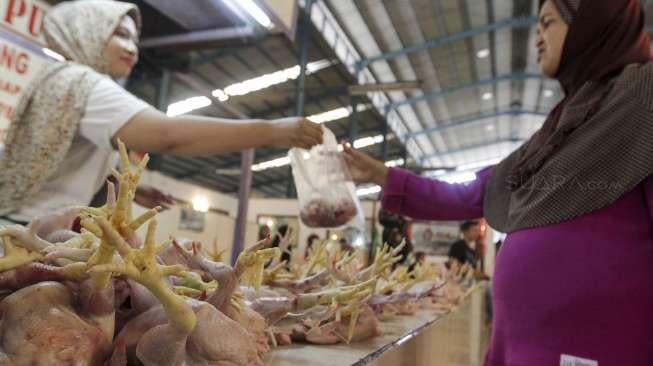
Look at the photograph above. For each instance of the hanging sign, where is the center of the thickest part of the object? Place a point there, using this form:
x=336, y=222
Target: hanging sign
x=24, y=17
x=21, y=52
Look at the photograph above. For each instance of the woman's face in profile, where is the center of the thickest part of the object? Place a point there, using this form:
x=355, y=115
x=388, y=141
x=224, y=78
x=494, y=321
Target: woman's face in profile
x=121, y=52
x=551, y=34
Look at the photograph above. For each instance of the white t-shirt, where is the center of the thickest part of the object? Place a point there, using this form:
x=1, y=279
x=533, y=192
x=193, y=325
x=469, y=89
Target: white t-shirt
x=91, y=156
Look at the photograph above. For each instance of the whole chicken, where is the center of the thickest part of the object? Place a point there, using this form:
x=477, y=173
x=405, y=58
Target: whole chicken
x=215, y=340
x=41, y=325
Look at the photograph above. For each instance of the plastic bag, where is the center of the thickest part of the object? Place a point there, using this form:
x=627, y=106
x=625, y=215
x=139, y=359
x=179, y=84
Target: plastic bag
x=326, y=192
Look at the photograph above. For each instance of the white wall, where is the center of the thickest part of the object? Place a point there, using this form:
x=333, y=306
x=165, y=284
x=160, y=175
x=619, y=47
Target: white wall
x=216, y=226
x=187, y=191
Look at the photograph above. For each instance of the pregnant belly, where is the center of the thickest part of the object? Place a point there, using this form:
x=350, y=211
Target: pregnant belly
x=584, y=287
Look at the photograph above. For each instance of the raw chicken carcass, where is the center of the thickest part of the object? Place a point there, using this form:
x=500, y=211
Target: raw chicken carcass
x=228, y=279
x=365, y=326
x=41, y=325
x=216, y=340
x=179, y=332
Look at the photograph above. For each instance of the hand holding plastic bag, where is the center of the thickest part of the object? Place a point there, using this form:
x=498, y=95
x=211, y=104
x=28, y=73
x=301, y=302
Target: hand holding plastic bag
x=327, y=195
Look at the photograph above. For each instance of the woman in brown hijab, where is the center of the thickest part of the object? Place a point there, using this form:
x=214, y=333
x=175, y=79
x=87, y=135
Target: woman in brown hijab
x=574, y=279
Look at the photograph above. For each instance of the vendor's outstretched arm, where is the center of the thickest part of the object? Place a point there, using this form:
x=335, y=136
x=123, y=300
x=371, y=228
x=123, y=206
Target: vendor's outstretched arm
x=153, y=131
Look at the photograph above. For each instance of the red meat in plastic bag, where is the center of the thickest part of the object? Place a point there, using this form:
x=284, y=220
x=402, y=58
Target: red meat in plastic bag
x=326, y=194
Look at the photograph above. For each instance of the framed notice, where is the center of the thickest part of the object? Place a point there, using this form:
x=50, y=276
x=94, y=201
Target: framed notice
x=191, y=220
x=435, y=238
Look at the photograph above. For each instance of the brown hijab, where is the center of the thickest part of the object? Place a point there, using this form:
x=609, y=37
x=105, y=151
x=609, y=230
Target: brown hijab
x=604, y=37
x=599, y=133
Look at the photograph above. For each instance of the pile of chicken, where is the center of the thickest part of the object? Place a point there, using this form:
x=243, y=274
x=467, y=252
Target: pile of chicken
x=82, y=288
x=363, y=295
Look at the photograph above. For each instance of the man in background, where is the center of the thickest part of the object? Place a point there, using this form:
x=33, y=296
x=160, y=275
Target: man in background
x=464, y=250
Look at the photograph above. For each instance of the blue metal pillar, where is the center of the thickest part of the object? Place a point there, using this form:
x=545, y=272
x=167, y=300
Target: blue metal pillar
x=355, y=101
x=304, y=38
x=244, y=190
x=162, y=101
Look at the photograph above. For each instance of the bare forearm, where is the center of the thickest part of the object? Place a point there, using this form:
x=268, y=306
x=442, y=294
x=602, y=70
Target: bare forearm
x=152, y=131
x=205, y=136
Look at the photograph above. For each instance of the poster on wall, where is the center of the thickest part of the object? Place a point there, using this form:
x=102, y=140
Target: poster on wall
x=191, y=220
x=435, y=238
x=21, y=52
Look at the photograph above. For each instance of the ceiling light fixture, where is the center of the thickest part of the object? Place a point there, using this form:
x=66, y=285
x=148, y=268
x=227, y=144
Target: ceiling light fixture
x=245, y=87
x=187, y=105
x=369, y=190
x=483, y=53
x=201, y=204
x=462, y=177
x=394, y=163
x=367, y=141
x=274, y=163
x=285, y=160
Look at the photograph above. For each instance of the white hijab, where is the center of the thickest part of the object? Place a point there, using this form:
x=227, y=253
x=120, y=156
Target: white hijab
x=51, y=107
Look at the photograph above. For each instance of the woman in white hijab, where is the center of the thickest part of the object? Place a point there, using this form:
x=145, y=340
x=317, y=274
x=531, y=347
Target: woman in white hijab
x=61, y=143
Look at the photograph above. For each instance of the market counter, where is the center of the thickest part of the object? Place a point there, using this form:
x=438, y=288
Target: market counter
x=429, y=337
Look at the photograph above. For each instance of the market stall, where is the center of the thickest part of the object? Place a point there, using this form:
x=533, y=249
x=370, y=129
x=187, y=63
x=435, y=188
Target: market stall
x=94, y=274
x=326, y=182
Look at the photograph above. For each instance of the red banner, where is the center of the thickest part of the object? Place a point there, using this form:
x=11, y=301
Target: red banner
x=18, y=66
x=24, y=17
x=21, y=55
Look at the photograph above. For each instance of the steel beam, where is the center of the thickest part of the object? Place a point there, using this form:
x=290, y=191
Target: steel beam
x=304, y=44
x=518, y=22
x=214, y=35
x=283, y=109
x=474, y=118
x=217, y=54
x=244, y=190
x=474, y=147
x=457, y=88
x=162, y=100
x=354, y=118
x=384, y=144
x=363, y=89
x=163, y=93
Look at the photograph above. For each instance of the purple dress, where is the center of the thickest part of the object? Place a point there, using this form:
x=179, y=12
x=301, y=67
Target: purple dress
x=582, y=288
